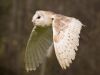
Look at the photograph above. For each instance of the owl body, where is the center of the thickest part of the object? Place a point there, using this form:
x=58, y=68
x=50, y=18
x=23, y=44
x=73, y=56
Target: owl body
x=66, y=32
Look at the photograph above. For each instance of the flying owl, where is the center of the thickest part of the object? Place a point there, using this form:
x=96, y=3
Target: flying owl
x=52, y=29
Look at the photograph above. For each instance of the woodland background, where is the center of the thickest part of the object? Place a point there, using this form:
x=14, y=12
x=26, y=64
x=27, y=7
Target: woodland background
x=16, y=25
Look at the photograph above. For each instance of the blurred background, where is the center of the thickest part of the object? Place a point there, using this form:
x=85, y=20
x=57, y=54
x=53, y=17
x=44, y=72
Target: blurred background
x=16, y=25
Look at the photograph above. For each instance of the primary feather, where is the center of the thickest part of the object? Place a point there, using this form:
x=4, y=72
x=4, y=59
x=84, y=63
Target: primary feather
x=39, y=41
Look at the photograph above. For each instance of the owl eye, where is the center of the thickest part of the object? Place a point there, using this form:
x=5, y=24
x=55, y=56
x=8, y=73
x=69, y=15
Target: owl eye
x=52, y=18
x=38, y=17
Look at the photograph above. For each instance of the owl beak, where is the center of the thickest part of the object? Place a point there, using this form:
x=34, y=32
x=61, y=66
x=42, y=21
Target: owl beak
x=33, y=19
x=33, y=22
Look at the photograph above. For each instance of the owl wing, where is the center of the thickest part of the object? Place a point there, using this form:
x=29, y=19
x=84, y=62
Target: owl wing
x=66, y=40
x=39, y=41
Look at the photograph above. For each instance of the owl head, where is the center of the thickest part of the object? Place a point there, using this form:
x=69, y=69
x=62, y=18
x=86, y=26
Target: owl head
x=42, y=18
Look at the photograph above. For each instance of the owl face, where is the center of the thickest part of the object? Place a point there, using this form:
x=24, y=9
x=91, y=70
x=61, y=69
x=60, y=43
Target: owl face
x=42, y=18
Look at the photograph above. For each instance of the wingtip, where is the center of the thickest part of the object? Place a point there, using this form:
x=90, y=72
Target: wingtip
x=30, y=69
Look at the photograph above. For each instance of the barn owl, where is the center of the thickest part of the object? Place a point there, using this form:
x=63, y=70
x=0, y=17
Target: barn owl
x=49, y=27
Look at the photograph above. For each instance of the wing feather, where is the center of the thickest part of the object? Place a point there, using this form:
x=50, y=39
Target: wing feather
x=67, y=40
x=37, y=46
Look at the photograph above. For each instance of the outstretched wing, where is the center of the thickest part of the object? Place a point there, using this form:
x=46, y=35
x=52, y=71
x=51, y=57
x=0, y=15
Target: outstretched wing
x=66, y=39
x=39, y=41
